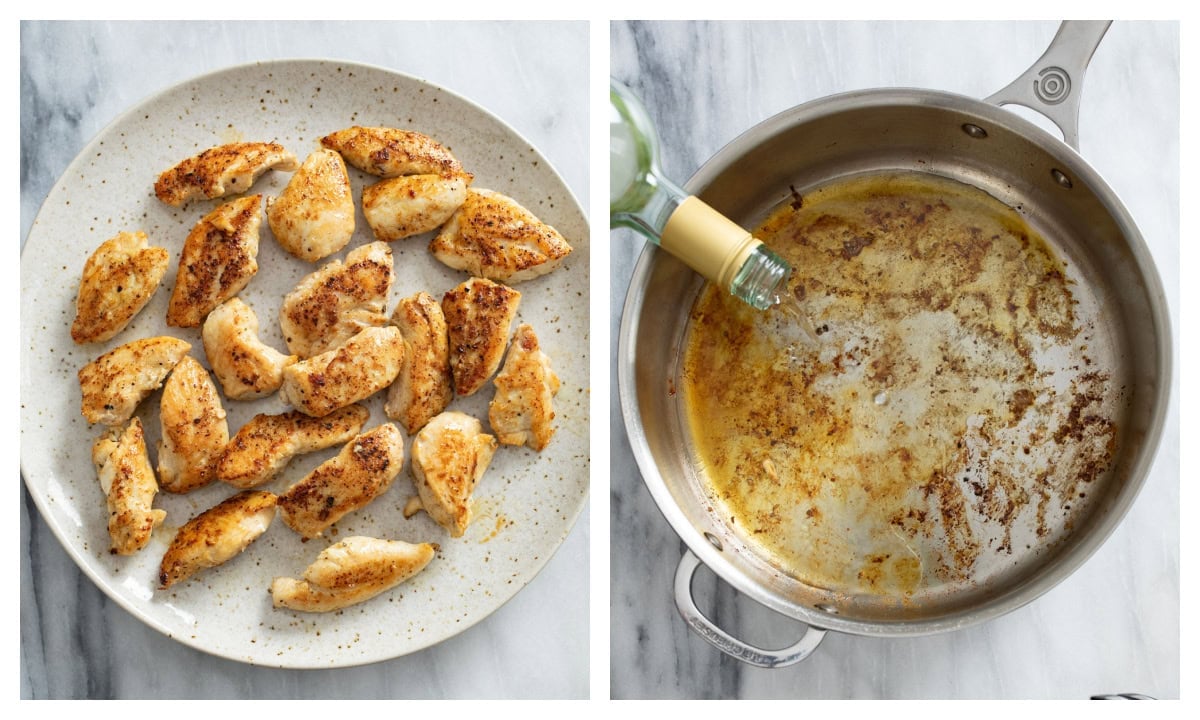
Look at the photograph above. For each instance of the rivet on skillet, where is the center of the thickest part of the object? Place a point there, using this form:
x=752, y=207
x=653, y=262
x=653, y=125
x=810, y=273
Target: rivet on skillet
x=974, y=131
x=1061, y=178
x=823, y=607
x=713, y=540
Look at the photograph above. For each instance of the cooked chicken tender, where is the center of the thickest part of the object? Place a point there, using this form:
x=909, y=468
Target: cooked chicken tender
x=216, y=536
x=194, y=431
x=492, y=236
x=388, y=152
x=118, y=280
x=221, y=170
x=331, y=305
x=314, y=216
x=358, y=474
x=401, y=207
x=522, y=411
x=246, y=366
x=113, y=384
x=351, y=571
x=219, y=259
x=123, y=468
x=353, y=371
x=422, y=388
x=449, y=456
x=479, y=314
x=263, y=447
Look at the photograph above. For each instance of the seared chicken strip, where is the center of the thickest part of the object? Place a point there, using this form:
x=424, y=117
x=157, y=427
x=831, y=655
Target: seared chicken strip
x=353, y=371
x=334, y=303
x=404, y=206
x=314, y=216
x=118, y=280
x=449, y=456
x=422, y=389
x=246, y=366
x=221, y=170
x=114, y=383
x=522, y=412
x=264, y=446
x=216, y=535
x=123, y=468
x=358, y=474
x=492, y=236
x=388, y=152
x=194, y=431
x=479, y=314
x=219, y=259
x=351, y=571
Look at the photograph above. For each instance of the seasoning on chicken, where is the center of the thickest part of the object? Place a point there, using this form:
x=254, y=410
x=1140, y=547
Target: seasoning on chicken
x=405, y=206
x=194, y=431
x=358, y=474
x=123, y=468
x=351, y=571
x=216, y=536
x=492, y=236
x=449, y=456
x=422, y=388
x=353, y=371
x=221, y=170
x=219, y=259
x=388, y=152
x=118, y=280
x=522, y=411
x=263, y=447
x=479, y=314
x=331, y=305
x=113, y=384
x=314, y=216
x=246, y=366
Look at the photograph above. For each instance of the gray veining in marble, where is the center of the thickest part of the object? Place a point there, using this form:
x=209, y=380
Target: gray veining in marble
x=77, y=77
x=1113, y=626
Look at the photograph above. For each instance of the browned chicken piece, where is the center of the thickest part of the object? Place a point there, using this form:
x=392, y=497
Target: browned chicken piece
x=405, y=206
x=123, y=468
x=113, y=384
x=314, y=216
x=351, y=571
x=449, y=456
x=354, y=477
x=479, y=314
x=388, y=152
x=194, y=431
x=353, y=371
x=221, y=170
x=422, y=389
x=246, y=366
x=263, y=447
x=118, y=280
x=216, y=536
x=492, y=236
x=220, y=256
x=331, y=305
x=522, y=411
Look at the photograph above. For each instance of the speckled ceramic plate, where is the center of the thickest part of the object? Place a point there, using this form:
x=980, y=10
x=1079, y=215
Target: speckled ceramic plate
x=526, y=503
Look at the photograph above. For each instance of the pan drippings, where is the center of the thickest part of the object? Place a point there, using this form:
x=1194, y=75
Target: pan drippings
x=950, y=424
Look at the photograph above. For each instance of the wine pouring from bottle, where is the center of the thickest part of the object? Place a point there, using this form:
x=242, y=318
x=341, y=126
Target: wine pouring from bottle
x=682, y=224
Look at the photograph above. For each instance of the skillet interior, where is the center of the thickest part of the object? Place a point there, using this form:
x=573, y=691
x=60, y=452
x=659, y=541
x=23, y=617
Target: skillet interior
x=917, y=131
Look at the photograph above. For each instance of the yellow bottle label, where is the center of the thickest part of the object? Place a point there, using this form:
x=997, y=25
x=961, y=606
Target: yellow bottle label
x=710, y=243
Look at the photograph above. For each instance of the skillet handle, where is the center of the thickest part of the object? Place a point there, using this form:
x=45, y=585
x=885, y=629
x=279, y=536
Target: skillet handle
x=1053, y=84
x=725, y=642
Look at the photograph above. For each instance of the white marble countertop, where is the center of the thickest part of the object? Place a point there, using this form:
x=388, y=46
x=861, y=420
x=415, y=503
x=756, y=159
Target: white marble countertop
x=77, y=77
x=1113, y=626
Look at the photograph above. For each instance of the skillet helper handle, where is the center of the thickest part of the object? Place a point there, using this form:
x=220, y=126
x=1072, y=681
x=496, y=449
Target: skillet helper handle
x=1053, y=84
x=723, y=641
